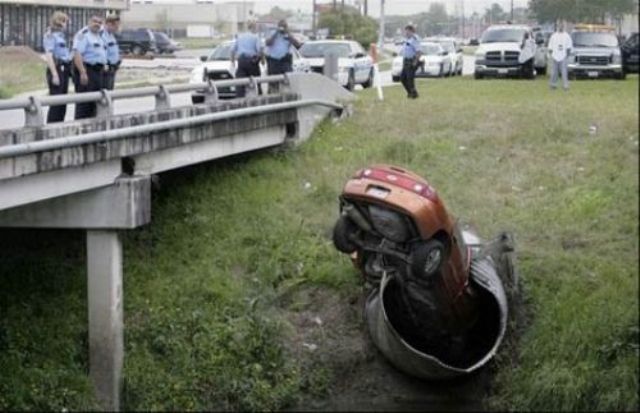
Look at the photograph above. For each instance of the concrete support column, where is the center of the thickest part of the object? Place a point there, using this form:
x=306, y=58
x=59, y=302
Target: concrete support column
x=106, y=344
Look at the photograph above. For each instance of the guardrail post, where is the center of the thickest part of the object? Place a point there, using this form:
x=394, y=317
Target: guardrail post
x=104, y=107
x=163, y=98
x=211, y=92
x=252, y=88
x=33, y=113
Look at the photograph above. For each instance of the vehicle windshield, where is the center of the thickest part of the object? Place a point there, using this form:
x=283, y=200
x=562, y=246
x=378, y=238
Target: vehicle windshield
x=162, y=37
x=222, y=52
x=594, y=39
x=502, y=35
x=429, y=49
x=447, y=45
x=320, y=49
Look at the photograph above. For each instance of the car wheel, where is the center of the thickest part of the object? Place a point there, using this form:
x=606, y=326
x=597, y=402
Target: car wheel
x=427, y=258
x=137, y=50
x=441, y=73
x=196, y=100
x=477, y=76
x=369, y=81
x=351, y=82
x=341, y=235
x=622, y=75
x=395, y=78
x=542, y=71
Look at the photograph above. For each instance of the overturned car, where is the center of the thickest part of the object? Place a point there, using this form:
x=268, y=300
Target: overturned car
x=437, y=306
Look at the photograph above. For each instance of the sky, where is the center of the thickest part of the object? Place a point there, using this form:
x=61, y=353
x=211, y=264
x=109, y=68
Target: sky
x=391, y=6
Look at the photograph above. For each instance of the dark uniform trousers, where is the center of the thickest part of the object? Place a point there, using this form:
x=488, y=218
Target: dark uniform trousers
x=279, y=67
x=95, y=73
x=247, y=66
x=110, y=76
x=58, y=112
x=408, y=76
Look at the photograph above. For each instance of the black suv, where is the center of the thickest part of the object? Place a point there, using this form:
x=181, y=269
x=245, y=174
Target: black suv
x=631, y=54
x=137, y=42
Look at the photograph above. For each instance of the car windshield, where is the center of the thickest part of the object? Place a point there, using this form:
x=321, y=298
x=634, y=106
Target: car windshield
x=320, y=49
x=430, y=49
x=593, y=39
x=502, y=35
x=222, y=52
x=161, y=37
x=447, y=45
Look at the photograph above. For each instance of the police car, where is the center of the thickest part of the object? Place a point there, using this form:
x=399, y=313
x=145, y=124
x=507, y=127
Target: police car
x=453, y=47
x=434, y=62
x=217, y=66
x=354, y=65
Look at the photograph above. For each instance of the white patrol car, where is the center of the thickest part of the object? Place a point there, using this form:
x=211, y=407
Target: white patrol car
x=453, y=47
x=217, y=66
x=354, y=65
x=435, y=61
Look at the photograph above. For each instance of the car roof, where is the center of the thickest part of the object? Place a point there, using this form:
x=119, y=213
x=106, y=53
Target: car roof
x=430, y=44
x=508, y=26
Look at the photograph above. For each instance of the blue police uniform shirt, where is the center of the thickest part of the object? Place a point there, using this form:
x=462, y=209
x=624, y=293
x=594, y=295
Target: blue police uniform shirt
x=113, y=49
x=54, y=42
x=247, y=44
x=411, y=47
x=280, y=46
x=90, y=46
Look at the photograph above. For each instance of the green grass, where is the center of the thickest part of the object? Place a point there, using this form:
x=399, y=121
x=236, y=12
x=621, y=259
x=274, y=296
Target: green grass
x=20, y=71
x=207, y=326
x=197, y=43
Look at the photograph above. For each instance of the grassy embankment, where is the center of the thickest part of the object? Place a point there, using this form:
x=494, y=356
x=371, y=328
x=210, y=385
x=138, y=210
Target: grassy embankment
x=208, y=324
x=21, y=70
x=198, y=43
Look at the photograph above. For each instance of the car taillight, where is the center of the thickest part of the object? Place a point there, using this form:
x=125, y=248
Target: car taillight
x=424, y=190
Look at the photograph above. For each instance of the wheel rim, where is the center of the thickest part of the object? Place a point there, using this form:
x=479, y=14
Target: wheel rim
x=432, y=261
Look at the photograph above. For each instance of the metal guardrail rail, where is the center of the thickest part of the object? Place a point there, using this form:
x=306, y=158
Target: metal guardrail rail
x=32, y=106
x=9, y=151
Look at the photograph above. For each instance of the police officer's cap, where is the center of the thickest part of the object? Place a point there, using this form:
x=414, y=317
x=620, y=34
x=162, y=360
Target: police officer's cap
x=112, y=17
x=410, y=27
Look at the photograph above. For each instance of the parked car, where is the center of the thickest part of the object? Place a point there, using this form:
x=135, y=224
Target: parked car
x=434, y=62
x=499, y=52
x=165, y=44
x=541, y=58
x=631, y=54
x=454, y=48
x=596, y=53
x=138, y=42
x=355, y=66
x=217, y=66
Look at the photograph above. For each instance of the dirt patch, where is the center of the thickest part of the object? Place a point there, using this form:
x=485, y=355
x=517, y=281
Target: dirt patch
x=329, y=337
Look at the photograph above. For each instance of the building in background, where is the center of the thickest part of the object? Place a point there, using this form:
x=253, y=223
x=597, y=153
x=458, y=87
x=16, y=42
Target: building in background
x=24, y=22
x=197, y=18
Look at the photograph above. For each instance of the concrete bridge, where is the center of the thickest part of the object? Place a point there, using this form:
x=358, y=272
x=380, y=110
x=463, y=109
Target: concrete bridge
x=96, y=174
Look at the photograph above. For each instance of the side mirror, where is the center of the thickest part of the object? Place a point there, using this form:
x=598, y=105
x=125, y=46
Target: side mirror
x=394, y=54
x=203, y=58
x=444, y=53
x=359, y=55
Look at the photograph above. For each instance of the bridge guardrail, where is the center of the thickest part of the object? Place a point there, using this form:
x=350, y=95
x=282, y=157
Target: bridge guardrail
x=32, y=106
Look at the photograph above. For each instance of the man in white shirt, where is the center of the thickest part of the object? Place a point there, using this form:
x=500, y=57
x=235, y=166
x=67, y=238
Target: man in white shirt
x=560, y=44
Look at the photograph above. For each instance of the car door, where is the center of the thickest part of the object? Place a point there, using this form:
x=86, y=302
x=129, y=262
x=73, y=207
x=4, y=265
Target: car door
x=360, y=63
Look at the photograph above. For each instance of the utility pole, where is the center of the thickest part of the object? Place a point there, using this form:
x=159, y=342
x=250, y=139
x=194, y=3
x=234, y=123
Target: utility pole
x=313, y=20
x=335, y=5
x=512, y=11
x=381, y=35
x=366, y=7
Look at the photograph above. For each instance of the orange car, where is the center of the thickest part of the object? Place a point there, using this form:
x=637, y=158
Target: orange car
x=393, y=221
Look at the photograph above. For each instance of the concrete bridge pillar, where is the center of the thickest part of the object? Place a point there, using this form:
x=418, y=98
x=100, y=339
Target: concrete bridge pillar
x=106, y=344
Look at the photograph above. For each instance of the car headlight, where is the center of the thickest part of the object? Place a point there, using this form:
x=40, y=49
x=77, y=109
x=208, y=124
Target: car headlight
x=196, y=76
x=617, y=58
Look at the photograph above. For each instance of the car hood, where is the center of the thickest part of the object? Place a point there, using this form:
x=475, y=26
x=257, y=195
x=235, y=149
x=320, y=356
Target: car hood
x=319, y=61
x=497, y=47
x=216, y=65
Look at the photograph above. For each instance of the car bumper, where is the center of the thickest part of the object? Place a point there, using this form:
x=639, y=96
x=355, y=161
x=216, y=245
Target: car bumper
x=502, y=71
x=595, y=71
x=223, y=93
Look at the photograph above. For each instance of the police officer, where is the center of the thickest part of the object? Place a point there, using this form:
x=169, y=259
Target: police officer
x=279, y=60
x=411, y=56
x=90, y=64
x=247, y=49
x=58, y=59
x=111, y=27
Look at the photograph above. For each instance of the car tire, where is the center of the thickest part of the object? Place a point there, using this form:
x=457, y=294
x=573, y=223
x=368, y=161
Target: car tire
x=341, y=235
x=477, y=76
x=395, y=78
x=137, y=50
x=427, y=258
x=351, y=81
x=622, y=75
x=196, y=100
x=441, y=74
x=542, y=71
x=369, y=81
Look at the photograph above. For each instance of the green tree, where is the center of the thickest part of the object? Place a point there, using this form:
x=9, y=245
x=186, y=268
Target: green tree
x=495, y=14
x=593, y=11
x=277, y=13
x=436, y=19
x=350, y=23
